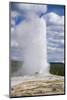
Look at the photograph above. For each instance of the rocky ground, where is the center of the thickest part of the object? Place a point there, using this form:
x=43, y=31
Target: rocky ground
x=37, y=85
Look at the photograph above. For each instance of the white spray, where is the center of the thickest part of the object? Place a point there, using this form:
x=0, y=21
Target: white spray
x=31, y=36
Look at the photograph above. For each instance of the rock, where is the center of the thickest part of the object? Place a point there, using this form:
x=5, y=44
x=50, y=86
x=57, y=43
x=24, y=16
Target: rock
x=43, y=85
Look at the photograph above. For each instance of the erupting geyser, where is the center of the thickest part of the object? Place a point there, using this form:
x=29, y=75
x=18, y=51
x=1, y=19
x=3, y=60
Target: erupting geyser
x=31, y=35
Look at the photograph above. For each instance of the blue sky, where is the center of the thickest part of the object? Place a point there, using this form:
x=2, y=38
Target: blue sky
x=54, y=16
x=58, y=9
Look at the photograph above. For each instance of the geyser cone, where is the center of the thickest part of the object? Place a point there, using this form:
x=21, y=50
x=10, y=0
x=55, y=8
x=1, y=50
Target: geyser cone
x=32, y=41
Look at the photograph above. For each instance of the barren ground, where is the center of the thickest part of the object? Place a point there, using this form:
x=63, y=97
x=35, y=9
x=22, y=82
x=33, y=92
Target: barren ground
x=37, y=85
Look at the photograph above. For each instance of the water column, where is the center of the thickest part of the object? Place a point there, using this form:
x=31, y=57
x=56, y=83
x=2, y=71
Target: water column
x=33, y=43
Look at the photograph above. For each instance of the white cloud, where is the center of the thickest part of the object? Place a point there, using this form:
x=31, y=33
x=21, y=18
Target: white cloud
x=55, y=36
x=56, y=28
x=14, y=43
x=14, y=14
x=12, y=30
x=52, y=48
x=12, y=22
x=53, y=18
x=13, y=35
x=13, y=57
x=39, y=9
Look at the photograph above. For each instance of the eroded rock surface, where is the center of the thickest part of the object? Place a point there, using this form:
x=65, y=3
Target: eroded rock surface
x=37, y=85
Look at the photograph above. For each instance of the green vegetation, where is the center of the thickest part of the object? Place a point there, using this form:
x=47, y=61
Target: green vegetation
x=57, y=69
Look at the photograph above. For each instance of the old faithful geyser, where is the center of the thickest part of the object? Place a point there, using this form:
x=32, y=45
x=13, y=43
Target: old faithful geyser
x=31, y=35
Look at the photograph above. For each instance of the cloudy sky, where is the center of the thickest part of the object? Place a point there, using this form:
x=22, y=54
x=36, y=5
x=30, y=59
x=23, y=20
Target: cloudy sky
x=54, y=16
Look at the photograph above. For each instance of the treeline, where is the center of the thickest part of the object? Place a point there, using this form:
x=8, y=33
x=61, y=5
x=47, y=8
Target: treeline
x=15, y=65
x=57, y=68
